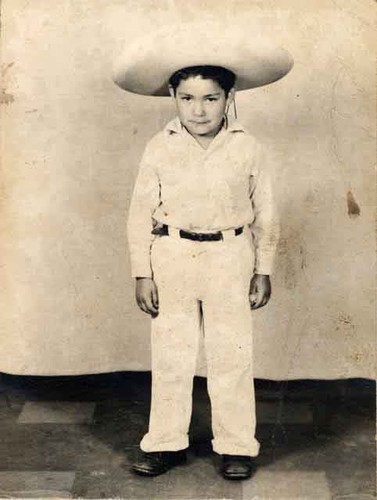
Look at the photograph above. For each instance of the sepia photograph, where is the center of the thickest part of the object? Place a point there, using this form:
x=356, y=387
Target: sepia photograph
x=188, y=249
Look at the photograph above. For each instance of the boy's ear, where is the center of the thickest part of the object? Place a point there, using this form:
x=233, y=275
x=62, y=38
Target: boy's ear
x=171, y=91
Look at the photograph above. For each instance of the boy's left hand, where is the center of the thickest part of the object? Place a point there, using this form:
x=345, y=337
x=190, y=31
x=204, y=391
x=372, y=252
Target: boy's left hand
x=260, y=290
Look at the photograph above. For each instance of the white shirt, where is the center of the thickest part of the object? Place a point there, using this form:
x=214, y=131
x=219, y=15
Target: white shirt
x=183, y=185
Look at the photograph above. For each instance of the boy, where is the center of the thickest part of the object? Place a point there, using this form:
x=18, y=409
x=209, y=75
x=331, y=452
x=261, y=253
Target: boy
x=201, y=188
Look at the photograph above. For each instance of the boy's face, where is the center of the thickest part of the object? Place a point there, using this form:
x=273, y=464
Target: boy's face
x=201, y=105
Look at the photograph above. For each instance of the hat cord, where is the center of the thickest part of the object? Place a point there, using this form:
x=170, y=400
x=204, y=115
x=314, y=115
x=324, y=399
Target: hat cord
x=226, y=120
x=235, y=108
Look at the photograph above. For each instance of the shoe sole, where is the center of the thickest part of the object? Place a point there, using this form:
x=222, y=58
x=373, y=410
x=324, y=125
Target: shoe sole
x=146, y=473
x=236, y=477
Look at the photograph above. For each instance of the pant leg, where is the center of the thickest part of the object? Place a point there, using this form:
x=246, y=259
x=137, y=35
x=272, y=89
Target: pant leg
x=174, y=343
x=229, y=347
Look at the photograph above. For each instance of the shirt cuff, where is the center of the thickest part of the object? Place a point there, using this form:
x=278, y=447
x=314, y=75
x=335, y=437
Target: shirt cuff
x=264, y=265
x=141, y=269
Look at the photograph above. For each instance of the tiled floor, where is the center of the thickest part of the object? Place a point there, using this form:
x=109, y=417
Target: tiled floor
x=75, y=437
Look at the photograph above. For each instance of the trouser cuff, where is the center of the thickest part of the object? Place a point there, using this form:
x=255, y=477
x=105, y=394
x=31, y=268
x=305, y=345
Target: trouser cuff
x=150, y=444
x=222, y=448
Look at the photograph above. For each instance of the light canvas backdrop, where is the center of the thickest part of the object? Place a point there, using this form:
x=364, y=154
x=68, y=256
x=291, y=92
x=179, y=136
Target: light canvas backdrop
x=71, y=143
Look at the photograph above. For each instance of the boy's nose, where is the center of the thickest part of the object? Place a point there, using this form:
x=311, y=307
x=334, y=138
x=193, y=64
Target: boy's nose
x=198, y=109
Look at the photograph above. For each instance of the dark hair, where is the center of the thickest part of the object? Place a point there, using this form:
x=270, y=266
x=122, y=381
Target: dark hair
x=224, y=77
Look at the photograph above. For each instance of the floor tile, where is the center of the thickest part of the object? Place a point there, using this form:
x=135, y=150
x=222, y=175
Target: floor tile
x=287, y=485
x=43, y=447
x=283, y=413
x=56, y=412
x=38, y=484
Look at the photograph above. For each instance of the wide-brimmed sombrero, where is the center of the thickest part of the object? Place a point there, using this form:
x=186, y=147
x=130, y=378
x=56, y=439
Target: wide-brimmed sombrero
x=145, y=65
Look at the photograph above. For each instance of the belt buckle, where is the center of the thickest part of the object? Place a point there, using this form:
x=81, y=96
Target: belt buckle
x=160, y=230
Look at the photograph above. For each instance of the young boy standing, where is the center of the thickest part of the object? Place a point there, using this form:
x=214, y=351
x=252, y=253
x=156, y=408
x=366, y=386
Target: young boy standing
x=202, y=235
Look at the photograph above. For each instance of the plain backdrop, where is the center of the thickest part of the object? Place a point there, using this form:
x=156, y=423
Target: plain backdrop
x=71, y=143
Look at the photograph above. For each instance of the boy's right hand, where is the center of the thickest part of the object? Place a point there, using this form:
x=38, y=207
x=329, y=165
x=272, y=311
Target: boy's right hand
x=147, y=295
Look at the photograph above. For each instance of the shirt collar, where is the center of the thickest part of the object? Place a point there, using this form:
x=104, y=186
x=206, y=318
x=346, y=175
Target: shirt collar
x=175, y=126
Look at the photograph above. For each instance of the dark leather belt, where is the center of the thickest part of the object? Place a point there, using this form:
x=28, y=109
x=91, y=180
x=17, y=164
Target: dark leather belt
x=217, y=236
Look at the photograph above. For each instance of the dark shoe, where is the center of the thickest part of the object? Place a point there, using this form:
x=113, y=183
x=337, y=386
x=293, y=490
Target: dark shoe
x=158, y=462
x=237, y=467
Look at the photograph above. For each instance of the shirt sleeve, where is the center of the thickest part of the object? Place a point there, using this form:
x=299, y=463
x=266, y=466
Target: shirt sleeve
x=265, y=227
x=144, y=201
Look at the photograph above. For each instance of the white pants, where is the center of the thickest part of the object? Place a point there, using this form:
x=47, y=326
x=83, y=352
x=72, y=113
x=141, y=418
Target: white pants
x=215, y=274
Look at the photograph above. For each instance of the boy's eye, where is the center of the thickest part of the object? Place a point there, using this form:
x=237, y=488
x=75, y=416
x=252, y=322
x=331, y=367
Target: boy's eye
x=188, y=98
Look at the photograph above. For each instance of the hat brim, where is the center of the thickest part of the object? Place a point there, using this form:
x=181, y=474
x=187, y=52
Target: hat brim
x=146, y=65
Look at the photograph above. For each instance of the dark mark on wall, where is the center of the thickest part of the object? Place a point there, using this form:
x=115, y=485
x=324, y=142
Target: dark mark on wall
x=303, y=257
x=6, y=98
x=5, y=68
x=345, y=319
x=352, y=206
